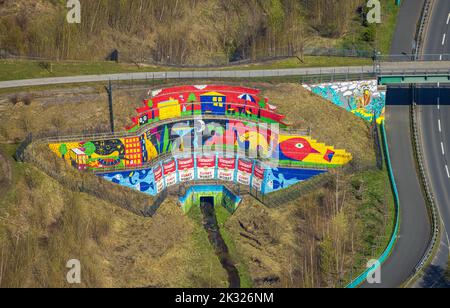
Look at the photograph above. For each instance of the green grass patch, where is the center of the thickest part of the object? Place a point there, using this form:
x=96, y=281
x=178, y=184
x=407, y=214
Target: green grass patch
x=376, y=214
x=201, y=238
x=222, y=216
x=371, y=37
x=27, y=69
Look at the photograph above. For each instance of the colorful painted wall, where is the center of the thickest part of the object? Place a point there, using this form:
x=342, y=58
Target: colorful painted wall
x=185, y=101
x=245, y=150
x=201, y=135
x=182, y=169
x=362, y=98
x=222, y=196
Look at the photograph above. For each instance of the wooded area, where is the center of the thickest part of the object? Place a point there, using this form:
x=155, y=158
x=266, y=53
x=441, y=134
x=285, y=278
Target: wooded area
x=176, y=31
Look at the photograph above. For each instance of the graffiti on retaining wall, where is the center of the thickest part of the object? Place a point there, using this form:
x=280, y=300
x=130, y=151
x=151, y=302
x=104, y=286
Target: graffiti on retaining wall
x=251, y=150
x=188, y=101
x=362, y=98
x=238, y=170
x=222, y=196
x=181, y=137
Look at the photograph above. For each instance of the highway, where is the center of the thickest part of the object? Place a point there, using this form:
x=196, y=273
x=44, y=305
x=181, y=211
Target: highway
x=415, y=232
x=434, y=120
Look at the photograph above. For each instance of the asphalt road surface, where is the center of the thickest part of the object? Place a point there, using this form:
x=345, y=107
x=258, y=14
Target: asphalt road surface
x=387, y=67
x=414, y=234
x=434, y=120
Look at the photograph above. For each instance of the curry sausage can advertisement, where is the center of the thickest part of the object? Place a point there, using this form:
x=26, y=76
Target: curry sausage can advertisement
x=226, y=169
x=258, y=177
x=159, y=180
x=170, y=172
x=206, y=167
x=186, y=169
x=245, y=168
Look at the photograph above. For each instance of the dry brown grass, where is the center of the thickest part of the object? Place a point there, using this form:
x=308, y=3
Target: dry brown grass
x=43, y=225
x=281, y=246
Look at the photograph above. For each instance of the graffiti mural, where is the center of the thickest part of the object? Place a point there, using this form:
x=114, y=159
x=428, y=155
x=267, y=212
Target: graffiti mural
x=248, y=172
x=188, y=101
x=184, y=137
x=222, y=196
x=362, y=98
x=140, y=180
x=229, y=134
x=282, y=178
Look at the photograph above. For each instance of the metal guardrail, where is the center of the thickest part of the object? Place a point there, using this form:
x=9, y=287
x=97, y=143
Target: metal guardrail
x=415, y=72
x=421, y=28
x=418, y=145
x=427, y=188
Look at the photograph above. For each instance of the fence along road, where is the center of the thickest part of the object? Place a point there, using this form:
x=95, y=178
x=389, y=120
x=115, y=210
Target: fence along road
x=387, y=67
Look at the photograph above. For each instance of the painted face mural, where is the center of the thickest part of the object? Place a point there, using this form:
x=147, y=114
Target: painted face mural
x=155, y=155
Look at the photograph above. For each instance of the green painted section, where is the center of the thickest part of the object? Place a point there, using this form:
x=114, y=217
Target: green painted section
x=222, y=196
x=387, y=80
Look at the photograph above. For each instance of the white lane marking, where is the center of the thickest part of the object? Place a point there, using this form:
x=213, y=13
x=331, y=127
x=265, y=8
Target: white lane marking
x=448, y=19
x=442, y=148
x=439, y=123
x=440, y=58
x=448, y=173
x=443, y=38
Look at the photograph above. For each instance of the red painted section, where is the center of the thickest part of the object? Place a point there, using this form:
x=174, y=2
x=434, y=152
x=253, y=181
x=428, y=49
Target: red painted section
x=234, y=102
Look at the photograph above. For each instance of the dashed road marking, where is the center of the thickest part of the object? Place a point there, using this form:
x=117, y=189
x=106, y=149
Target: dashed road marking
x=448, y=19
x=442, y=148
x=448, y=173
x=439, y=124
x=443, y=38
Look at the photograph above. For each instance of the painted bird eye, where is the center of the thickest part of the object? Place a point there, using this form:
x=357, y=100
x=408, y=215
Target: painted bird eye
x=299, y=146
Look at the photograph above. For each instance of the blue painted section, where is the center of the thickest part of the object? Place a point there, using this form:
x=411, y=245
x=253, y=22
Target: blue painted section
x=142, y=180
x=282, y=178
x=359, y=97
x=274, y=178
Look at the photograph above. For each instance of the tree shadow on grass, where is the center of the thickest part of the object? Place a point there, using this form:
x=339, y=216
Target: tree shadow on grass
x=435, y=278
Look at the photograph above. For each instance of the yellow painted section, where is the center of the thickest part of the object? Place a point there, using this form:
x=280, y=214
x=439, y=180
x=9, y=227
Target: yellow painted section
x=169, y=110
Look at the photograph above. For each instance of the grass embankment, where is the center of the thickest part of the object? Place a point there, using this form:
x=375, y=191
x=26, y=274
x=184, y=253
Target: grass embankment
x=312, y=239
x=44, y=224
x=25, y=69
x=365, y=36
x=336, y=222
x=222, y=217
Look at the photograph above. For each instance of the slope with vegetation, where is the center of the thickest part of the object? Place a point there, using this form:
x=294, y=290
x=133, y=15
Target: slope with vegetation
x=190, y=31
x=320, y=234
